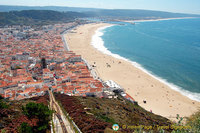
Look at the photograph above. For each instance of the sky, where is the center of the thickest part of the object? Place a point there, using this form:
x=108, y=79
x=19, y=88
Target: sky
x=180, y=6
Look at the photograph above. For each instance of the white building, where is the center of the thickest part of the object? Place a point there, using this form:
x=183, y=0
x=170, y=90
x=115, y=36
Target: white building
x=112, y=84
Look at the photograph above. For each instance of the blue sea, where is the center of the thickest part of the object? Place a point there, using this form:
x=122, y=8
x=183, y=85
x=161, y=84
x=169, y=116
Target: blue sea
x=169, y=50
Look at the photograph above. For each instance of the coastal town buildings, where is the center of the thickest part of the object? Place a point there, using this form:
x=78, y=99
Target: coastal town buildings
x=34, y=60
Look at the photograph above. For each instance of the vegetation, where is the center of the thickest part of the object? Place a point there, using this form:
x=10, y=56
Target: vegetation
x=92, y=114
x=18, y=15
x=25, y=128
x=46, y=15
x=194, y=122
x=1, y=97
x=86, y=112
x=72, y=12
x=135, y=14
x=43, y=63
x=38, y=111
x=12, y=119
x=4, y=8
x=124, y=113
x=3, y=104
x=86, y=122
x=3, y=131
x=37, y=17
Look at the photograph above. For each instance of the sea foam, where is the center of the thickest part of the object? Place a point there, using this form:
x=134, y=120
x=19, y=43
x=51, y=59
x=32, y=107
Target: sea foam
x=98, y=43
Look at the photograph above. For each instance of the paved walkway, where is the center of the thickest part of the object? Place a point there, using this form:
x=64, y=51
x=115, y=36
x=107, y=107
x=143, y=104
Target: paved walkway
x=62, y=125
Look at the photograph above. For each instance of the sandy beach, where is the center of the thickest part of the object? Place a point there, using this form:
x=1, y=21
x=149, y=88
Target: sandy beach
x=161, y=99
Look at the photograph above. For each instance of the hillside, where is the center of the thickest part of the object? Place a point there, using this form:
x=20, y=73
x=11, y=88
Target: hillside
x=90, y=114
x=100, y=13
x=98, y=115
x=136, y=14
x=37, y=17
x=13, y=116
x=5, y=8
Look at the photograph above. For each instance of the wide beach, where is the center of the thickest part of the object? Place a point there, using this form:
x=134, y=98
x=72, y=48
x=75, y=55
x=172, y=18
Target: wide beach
x=159, y=97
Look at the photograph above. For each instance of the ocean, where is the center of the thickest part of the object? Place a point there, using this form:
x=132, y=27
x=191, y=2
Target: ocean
x=168, y=50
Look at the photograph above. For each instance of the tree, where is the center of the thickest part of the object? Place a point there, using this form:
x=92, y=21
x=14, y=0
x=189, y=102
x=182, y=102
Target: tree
x=25, y=128
x=39, y=111
x=1, y=97
x=3, y=104
x=43, y=63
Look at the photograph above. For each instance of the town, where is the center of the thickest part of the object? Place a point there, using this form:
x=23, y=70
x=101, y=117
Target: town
x=36, y=59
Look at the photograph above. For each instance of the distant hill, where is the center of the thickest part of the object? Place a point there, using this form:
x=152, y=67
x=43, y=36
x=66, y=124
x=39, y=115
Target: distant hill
x=4, y=8
x=136, y=14
x=47, y=15
x=32, y=17
x=29, y=15
x=103, y=13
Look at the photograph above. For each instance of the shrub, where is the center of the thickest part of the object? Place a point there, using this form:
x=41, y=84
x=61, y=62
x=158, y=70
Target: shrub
x=39, y=111
x=3, y=105
x=1, y=97
x=25, y=128
x=194, y=122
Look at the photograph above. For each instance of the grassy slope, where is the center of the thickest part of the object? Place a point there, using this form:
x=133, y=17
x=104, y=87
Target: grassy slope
x=122, y=112
x=110, y=111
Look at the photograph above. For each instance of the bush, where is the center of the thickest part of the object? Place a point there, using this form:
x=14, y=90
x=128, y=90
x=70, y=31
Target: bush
x=25, y=128
x=1, y=97
x=39, y=111
x=3, y=105
x=194, y=122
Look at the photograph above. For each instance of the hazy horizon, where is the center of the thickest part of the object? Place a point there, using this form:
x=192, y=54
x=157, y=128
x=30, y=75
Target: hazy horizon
x=176, y=6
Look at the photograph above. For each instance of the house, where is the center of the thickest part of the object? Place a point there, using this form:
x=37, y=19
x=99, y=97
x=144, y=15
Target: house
x=34, y=84
x=1, y=91
x=112, y=86
x=109, y=94
x=22, y=56
x=19, y=97
x=75, y=58
x=47, y=73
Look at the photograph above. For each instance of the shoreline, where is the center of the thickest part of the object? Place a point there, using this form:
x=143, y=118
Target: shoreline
x=161, y=19
x=103, y=49
x=140, y=89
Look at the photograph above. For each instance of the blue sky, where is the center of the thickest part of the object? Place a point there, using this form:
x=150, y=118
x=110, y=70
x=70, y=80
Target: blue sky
x=182, y=6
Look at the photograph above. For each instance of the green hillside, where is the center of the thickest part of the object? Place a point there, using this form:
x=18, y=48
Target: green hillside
x=37, y=17
x=34, y=15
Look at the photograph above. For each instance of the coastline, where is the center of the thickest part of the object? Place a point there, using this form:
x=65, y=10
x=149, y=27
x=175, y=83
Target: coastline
x=141, y=86
x=96, y=39
x=161, y=19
